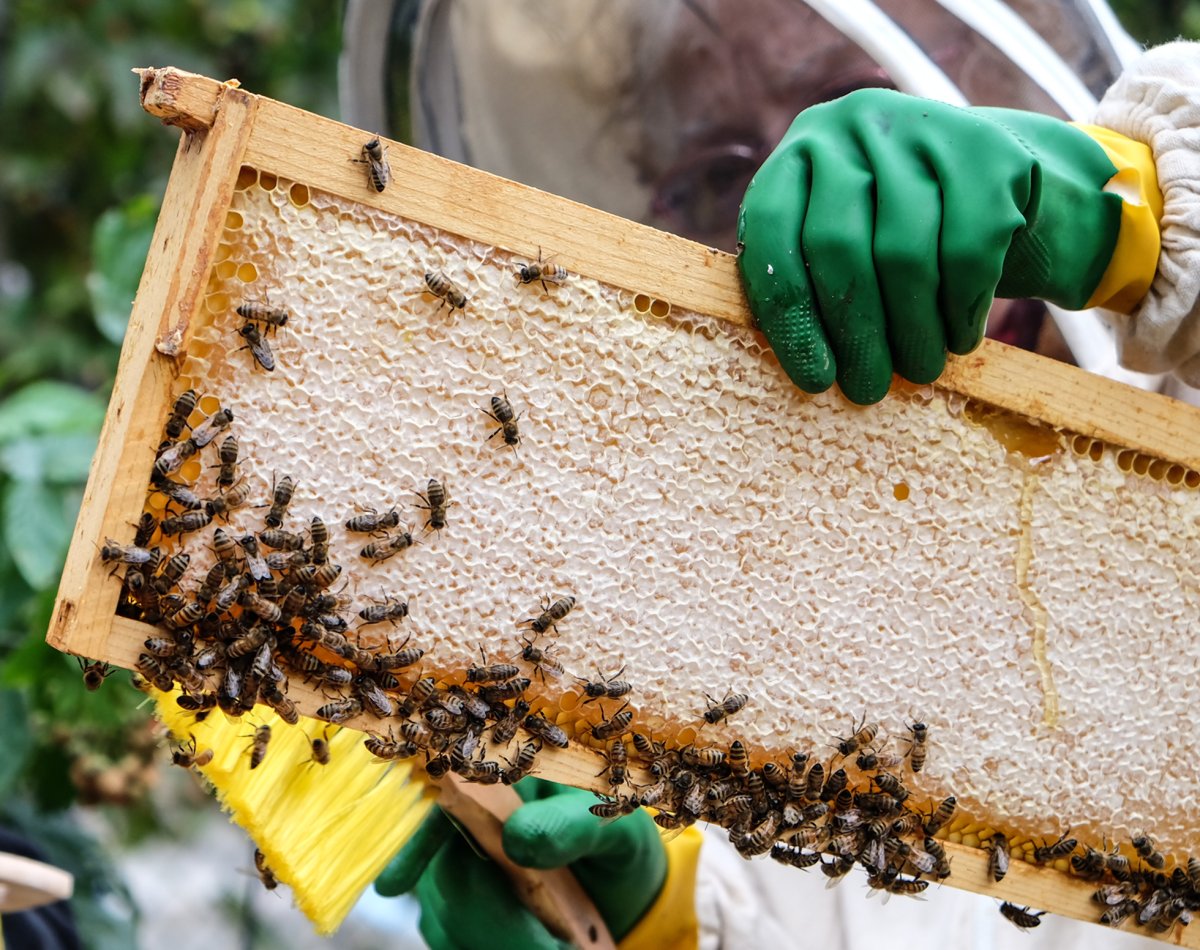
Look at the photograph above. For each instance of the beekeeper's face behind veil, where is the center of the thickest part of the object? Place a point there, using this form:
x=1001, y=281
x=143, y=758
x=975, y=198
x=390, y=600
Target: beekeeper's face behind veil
x=662, y=111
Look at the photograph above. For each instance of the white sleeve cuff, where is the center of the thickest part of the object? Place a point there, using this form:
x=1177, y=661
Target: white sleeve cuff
x=1157, y=101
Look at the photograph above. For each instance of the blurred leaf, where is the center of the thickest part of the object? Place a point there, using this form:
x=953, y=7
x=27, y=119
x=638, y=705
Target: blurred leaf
x=49, y=774
x=56, y=458
x=15, y=738
x=36, y=530
x=120, y=242
x=49, y=406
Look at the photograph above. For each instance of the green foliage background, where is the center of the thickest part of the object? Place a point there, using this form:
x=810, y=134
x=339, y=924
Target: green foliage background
x=82, y=171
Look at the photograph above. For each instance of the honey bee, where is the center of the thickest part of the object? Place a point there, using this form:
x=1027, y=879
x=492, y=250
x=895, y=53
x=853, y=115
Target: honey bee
x=618, y=725
x=435, y=504
x=886, y=782
x=372, y=521
x=270, y=317
x=760, y=840
x=507, y=721
x=605, y=688
x=941, y=864
x=180, y=494
x=339, y=712
x=226, y=550
x=551, y=614
x=908, y=887
x=186, y=756
x=265, y=875
x=1112, y=894
x=382, y=550
x=228, y=456
x=814, y=782
x=608, y=809
x=917, y=747
x=739, y=759
x=319, y=576
x=834, y=785
x=1144, y=845
x=281, y=496
x=225, y=502
x=320, y=748
x=442, y=287
x=178, y=419
x=1021, y=917
x=213, y=581
x=863, y=736
x=422, y=691
x=172, y=572
x=396, y=660
x=161, y=647
x=278, y=701
x=260, y=606
x=1044, y=853
x=172, y=459
x=836, y=869
x=998, y=856
x=523, y=764
x=794, y=857
x=443, y=720
x=1089, y=865
x=703, y=758
x=94, y=673
x=210, y=427
x=502, y=414
x=374, y=156
x=383, y=748
x=869, y=760
x=717, y=711
x=281, y=540
x=114, y=551
x=1116, y=914
x=547, y=731
x=1118, y=865
x=182, y=524
x=390, y=610
x=258, y=346
x=617, y=763
x=374, y=700
x=228, y=595
x=509, y=689
x=187, y=615
x=940, y=816
x=541, y=272
x=144, y=530
x=497, y=672
x=541, y=660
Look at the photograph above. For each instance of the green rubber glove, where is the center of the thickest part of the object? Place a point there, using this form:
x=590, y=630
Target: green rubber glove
x=877, y=233
x=467, y=902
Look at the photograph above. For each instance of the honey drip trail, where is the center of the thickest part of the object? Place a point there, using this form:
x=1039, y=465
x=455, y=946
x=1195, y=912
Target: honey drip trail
x=1030, y=599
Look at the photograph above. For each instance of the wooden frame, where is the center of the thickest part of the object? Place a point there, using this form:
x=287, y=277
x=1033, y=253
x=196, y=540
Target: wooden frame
x=225, y=128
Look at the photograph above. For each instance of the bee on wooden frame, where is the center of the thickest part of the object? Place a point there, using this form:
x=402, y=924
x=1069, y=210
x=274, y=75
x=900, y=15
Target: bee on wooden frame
x=178, y=419
x=374, y=156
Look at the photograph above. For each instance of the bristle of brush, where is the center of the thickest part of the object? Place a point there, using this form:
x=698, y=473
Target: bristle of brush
x=325, y=830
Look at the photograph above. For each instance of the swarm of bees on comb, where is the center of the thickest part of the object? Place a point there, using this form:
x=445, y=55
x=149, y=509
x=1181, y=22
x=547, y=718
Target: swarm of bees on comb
x=265, y=613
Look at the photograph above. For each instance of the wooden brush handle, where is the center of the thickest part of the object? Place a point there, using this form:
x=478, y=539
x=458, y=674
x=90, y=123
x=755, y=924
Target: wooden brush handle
x=554, y=896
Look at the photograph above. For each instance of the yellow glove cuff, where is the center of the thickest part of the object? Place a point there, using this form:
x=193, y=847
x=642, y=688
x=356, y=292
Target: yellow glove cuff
x=670, y=923
x=1135, y=259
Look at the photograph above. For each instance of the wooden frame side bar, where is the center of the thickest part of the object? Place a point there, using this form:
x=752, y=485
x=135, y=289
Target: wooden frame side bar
x=189, y=226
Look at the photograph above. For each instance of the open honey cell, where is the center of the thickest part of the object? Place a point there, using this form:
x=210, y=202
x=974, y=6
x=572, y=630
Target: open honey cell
x=626, y=505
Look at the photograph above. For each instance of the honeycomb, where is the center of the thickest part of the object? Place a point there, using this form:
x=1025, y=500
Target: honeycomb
x=1027, y=593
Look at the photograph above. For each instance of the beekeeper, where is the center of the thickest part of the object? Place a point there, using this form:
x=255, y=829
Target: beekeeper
x=876, y=232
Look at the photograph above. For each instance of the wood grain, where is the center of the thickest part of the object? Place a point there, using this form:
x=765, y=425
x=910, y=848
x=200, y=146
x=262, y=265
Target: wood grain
x=189, y=225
